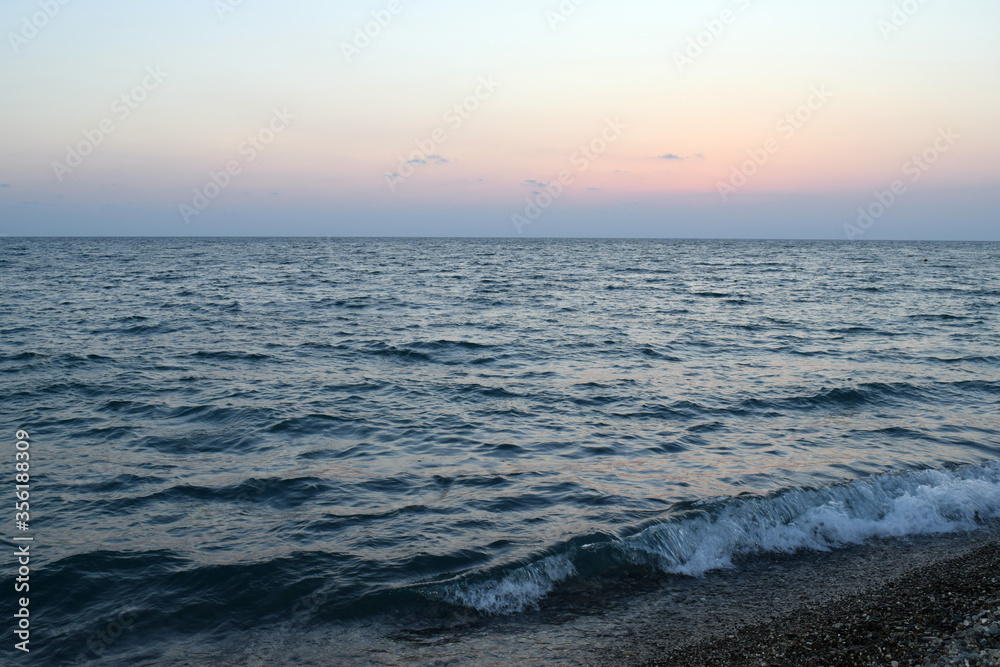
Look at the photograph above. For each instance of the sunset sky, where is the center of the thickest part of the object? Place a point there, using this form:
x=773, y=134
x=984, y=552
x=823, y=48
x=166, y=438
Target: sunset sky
x=527, y=117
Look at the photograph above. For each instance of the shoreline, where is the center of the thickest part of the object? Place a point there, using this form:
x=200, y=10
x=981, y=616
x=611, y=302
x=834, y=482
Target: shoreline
x=924, y=608
x=776, y=610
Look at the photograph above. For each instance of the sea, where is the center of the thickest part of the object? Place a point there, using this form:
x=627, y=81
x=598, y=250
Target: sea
x=394, y=451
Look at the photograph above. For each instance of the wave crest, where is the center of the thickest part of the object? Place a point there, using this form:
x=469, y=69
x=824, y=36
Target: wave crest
x=519, y=590
x=888, y=505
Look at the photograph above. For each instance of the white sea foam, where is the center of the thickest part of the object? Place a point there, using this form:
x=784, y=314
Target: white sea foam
x=890, y=505
x=519, y=590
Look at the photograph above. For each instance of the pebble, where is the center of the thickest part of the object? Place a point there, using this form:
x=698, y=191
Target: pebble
x=913, y=621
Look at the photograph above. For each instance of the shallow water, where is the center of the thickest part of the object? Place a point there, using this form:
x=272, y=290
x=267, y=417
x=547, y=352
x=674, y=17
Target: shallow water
x=230, y=433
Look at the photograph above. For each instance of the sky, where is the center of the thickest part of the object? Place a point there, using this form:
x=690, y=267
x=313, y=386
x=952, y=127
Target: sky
x=856, y=119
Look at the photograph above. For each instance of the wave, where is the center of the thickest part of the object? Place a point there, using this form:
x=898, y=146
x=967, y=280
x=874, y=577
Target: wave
x=257, y=492
x=450, y=352
x=838, y=397
x=714, y=534
x=229, y=355
x=800, y=399
x=519, y=590
x=977, y=359
x=933, y=317
x=887, y=505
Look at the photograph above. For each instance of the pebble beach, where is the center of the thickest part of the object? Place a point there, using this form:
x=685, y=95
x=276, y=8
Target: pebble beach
x=943, y=613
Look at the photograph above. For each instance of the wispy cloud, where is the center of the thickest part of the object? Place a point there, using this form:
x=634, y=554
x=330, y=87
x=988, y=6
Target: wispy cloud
x=674, y=156
x=431, y=159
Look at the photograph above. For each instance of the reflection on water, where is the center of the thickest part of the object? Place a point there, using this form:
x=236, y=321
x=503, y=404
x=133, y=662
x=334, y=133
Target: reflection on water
x=227, y=426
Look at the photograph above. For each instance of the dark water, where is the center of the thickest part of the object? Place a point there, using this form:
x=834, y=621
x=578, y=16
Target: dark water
x=229, y=434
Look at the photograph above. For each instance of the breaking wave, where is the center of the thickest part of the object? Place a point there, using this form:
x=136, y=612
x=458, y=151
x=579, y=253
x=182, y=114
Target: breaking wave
x=714, y=534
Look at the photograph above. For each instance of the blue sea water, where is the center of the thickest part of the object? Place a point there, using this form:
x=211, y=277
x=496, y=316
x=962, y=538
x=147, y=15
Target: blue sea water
x=228, y=433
